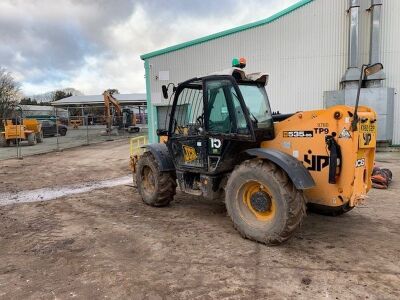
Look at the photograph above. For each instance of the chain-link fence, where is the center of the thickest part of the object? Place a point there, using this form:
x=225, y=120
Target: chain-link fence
x=22, y=136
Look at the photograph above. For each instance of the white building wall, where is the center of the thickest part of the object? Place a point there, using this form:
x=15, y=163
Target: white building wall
x=390, y=41
x=305, y=53
x=390, y=50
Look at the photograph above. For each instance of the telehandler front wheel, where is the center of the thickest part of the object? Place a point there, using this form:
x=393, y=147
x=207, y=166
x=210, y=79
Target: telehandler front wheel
x=263, y=203
x=156, y=188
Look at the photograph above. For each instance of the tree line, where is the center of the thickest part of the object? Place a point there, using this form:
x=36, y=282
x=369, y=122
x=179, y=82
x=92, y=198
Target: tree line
x=57, y=95
x=9, y=94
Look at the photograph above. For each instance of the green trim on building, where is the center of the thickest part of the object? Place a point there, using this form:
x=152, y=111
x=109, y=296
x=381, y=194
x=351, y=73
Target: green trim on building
x=227, y=32
x=151, y=110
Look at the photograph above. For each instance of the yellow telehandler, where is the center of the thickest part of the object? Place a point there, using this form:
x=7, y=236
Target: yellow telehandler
x=224, y=141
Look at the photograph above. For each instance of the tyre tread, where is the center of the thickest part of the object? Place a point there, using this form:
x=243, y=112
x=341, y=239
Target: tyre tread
x=166, y=188
x=296, y=201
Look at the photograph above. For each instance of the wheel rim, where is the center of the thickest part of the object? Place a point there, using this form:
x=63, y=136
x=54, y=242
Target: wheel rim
x=257, y=201
x=148, y=180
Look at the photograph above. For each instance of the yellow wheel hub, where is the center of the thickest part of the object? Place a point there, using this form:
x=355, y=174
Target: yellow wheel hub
x=259, y=201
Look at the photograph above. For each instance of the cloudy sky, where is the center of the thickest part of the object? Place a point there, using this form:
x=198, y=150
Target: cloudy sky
x=92, y=45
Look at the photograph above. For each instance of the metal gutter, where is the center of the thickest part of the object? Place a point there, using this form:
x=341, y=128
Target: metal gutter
x=227, y=32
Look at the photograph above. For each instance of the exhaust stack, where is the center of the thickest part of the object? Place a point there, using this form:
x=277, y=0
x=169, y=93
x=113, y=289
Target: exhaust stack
x=374, y=95
x=350, y=78
x=374, y=46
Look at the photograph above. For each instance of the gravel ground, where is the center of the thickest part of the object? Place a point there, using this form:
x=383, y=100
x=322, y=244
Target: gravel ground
x=106, y=243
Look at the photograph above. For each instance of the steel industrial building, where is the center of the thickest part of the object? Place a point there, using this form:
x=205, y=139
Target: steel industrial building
x=137, y=102
x=137, y=99
x=305, y=49
x=42, y=111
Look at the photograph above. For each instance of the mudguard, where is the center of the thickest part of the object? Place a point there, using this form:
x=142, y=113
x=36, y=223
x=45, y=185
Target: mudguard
x=299, y=175
x=161, y=154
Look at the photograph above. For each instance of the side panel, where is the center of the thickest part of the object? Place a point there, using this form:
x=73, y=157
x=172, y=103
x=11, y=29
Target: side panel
x=303, y=136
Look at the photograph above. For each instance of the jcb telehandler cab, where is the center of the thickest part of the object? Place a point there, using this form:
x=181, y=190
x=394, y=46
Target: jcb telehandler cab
x=223, y=139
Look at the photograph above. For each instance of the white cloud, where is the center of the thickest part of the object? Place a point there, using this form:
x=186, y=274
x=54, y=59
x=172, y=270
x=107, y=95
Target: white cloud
x=93, y=46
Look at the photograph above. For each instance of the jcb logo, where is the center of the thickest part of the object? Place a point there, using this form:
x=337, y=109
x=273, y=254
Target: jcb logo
x=316, y=162
x=189, y=153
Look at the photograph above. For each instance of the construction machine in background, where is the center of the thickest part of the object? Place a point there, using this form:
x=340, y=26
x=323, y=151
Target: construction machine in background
x=123, y=118
x=15, y=131
x=222, y=140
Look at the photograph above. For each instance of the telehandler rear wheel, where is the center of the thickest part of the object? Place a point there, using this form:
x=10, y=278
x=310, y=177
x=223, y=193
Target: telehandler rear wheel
x=263, y=203
x=156, y=188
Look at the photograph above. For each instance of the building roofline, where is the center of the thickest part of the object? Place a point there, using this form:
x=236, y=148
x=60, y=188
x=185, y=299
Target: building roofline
x=227, y=32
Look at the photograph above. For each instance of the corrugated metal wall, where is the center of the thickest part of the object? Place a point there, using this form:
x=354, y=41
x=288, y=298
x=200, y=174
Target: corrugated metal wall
x=390, y=48
x=305, y=53
x=391, y=56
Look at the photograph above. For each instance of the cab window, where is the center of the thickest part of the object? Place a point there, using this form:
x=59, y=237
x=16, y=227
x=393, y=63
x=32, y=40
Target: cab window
x=256, y=100
x=219, y=120
x=225, y=113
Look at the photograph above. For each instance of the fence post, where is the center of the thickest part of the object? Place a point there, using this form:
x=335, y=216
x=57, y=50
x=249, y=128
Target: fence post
x=87, y=129
x=58, y=144
x=18, y=120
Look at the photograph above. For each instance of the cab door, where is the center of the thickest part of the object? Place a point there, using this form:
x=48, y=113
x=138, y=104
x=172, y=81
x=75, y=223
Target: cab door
x=186, y=135
x=229, y=130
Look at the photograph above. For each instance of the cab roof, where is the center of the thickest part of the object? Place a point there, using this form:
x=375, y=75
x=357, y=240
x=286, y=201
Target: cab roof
x=237, y=73
x=240, y=74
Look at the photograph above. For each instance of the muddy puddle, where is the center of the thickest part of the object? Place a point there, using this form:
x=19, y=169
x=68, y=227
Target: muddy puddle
x=47, y=194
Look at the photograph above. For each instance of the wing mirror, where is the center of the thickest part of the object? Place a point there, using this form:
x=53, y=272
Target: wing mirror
x=372, y=69
x=165, y=88
x=366, y=70
x=165, y=91
x=162, y=132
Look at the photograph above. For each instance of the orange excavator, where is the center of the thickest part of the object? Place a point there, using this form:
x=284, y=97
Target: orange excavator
x=125, y=118
x=109, y=101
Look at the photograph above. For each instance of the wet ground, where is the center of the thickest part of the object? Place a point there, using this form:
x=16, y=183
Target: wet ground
x=105, y=243
x=51, y=193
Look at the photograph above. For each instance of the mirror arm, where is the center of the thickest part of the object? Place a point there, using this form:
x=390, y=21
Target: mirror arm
x=365, y=69
x=360, y=81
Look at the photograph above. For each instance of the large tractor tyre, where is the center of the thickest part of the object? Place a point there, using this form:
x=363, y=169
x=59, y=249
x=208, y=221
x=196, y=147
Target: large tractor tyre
x=39, y=137
x=329, y=211
x=263, y=203
x=32, y=139
x=156, y=188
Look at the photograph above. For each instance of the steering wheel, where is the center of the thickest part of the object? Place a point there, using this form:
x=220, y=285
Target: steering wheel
x=200, y=120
